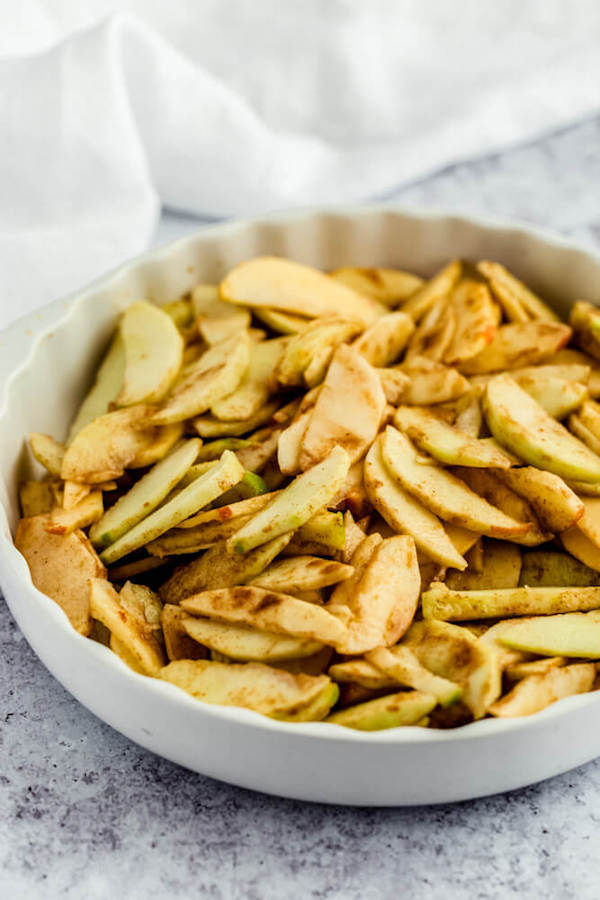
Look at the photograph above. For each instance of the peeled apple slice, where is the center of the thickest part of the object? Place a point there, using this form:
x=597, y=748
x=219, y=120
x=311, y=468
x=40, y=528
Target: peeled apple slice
x=153, y=354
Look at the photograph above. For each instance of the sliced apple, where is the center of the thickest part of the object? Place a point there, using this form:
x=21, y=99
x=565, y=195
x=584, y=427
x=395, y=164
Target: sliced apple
x=405, y=514
x=267, y=611
x=347, y=412
x=61, y=566
x=295, y=288
x=308, y=354
x=585, y=321
x=512, y=294
x=264, y=689
x=178, y=643
x=382, y=596
x=432, y=382
x=297, y=503
x=284, y=323
x=220, y=567
x=383, y=341
x=443, y=493
x=145, y=495
x=211, y=427
x=554, y=503
x=215, y=375
x=248, y=645
x=439, y=602
x=363, y=673
x=107, y=384
x=454, y=653
x=83, y=514
x=153, y=354
x=216, y=320
x=477, y=317
x=302, y=573
x=548, y=568
x=133, y=619
x=434, y=333
x=392, y=711
x=402, y=664
x=572, y=635
x=446, y=443
x=48, y=452
x=388, y=286
x=440, y=285
x=501, y=568
x=36, y=498
x=556, y=395
x=520, y=424
x=104, y=448
x=199, y=493
x=394, y=383
x=255, y=388
x=581, y=547
x=487, y=483
x=516, y=345
x=536, y=692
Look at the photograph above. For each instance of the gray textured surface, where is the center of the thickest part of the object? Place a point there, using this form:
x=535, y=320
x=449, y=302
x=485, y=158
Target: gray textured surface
x=86, y=814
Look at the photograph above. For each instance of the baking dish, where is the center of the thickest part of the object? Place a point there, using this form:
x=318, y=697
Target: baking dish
x=312, y=761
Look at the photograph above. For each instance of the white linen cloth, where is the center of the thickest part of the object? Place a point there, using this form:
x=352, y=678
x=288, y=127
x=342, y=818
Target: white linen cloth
x=232, y=107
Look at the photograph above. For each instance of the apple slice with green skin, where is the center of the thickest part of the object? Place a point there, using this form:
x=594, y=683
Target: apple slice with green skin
x=392, y=711
x=520, y=424
x=443, y=493
x=500, y=569
x=107, y=384
x=199, y=493
x=405, y=514
x=216, y=374
x=401, y=664
x=264, y=689
x=547, y=568
x=295, y=288
x=575, y=635
x=462, y=606
x=297, y=503
x=445, y=443
x=557, y=396
x=536, y=692
x=153, y=354
x=145, y=495
x=267, y=611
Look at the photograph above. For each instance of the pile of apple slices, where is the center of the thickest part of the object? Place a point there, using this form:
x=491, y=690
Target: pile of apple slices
x=358, y=497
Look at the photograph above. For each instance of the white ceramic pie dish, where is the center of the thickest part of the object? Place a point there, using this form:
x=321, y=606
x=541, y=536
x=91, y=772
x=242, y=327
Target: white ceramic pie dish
x=310, y=761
